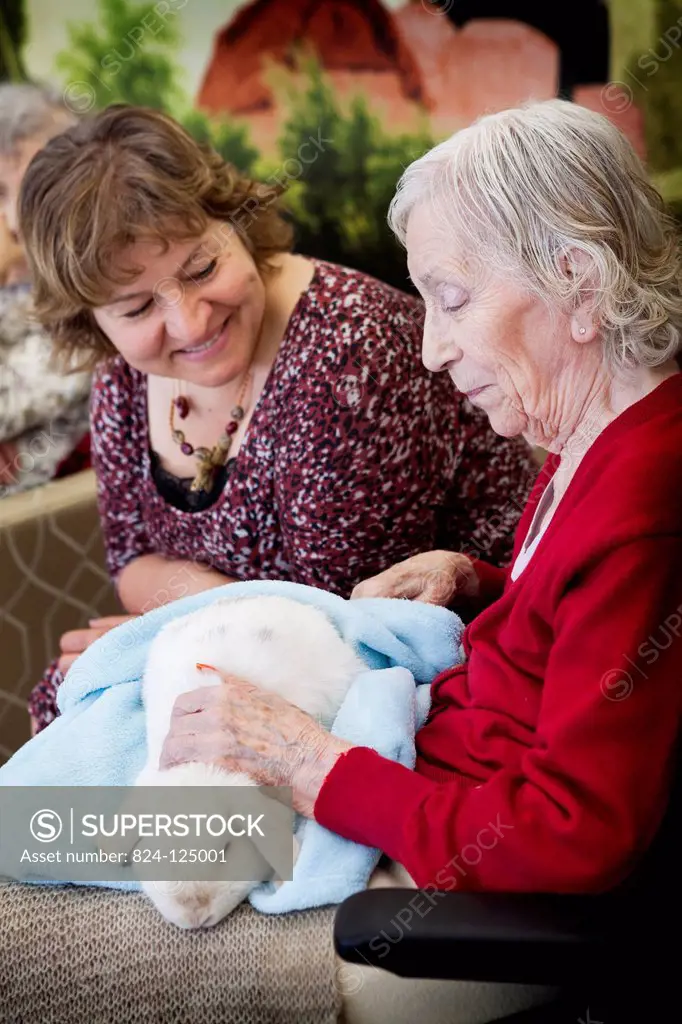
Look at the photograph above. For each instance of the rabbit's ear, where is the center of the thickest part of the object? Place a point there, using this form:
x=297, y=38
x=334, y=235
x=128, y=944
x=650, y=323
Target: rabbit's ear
x=274, y=842
x=242, y=861
x=297, y=850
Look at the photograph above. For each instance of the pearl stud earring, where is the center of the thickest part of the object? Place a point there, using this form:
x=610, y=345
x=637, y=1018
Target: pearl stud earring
x=582, y=330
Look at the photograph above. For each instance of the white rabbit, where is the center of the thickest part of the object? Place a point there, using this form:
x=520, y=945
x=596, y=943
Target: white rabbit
x=273, y=642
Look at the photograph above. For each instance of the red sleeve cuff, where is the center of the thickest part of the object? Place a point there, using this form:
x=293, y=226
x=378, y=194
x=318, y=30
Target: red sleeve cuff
x=370, y=799
x=491, y=581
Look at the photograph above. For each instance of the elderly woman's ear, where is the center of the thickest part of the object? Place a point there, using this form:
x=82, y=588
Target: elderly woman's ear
x=582, y=328
x=578, y=268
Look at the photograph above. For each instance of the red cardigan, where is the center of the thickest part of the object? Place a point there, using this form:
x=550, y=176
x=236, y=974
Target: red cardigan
x=546, y=761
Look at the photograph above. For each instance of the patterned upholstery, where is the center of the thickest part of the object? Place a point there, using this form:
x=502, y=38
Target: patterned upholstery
x=52, y=578
x=105, y=957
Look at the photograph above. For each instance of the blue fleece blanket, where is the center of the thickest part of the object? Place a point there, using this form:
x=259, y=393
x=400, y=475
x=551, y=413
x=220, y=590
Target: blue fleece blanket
x=99, y=738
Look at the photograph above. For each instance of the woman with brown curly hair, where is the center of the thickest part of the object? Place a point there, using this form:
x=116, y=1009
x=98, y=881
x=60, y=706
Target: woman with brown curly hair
x=255, y=414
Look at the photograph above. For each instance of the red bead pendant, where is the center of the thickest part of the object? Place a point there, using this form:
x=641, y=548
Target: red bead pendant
x=182, y=406
x=232, y=428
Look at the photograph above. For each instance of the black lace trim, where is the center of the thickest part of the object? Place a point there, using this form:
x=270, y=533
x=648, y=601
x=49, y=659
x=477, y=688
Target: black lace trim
x=175, y=490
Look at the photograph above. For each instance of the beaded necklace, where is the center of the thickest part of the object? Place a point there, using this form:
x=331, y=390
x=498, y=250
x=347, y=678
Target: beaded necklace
x=209, y=459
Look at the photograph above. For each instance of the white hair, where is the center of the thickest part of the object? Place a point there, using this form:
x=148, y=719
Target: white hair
x=30, y=111
x=547, y=186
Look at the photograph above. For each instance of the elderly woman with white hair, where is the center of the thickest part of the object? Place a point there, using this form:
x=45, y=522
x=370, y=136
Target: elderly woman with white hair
x=43, y=412
x=551, y=275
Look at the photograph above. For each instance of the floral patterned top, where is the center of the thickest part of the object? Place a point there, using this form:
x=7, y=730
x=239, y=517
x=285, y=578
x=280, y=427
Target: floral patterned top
x=355, y=458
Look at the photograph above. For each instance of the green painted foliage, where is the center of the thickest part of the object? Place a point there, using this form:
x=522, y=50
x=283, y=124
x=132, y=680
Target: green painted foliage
x=124, y=58
x=229, y=138
x=342, y=169
x=654, y=73
x=340, y=166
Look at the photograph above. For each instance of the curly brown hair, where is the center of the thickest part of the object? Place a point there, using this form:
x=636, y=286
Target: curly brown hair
x=125, y=174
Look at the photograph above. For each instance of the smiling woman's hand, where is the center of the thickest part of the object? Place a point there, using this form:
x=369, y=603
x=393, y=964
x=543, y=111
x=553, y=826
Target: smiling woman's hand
x=241, y=728
x=73, y=643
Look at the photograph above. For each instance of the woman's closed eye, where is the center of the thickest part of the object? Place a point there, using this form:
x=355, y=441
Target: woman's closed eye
x=206, y=272
x=452, y=298
x=201, y=275
x=138, y=312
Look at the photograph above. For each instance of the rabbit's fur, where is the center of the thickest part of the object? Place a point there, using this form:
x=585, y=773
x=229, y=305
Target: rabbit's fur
x=273, y=642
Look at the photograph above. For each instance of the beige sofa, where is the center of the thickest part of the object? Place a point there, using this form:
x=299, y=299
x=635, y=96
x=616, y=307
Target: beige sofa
x=52, y=578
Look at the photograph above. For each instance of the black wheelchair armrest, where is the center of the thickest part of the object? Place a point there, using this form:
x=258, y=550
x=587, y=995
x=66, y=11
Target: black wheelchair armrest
x=543, y=939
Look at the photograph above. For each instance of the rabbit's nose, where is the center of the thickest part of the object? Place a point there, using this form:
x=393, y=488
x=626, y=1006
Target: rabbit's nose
x=200, y=917
x=195, y=919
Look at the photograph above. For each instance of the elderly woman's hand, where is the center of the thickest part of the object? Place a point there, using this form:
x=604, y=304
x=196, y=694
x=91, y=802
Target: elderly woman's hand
x=241, y=728
x=434, y=577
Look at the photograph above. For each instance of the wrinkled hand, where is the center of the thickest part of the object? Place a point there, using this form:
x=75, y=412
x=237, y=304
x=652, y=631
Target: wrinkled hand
x=434, y=577
x=8, y=467
x=75, y=641
x=241, y=728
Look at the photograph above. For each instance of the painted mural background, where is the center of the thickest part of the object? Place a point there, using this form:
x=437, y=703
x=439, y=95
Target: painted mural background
x=334, y=97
